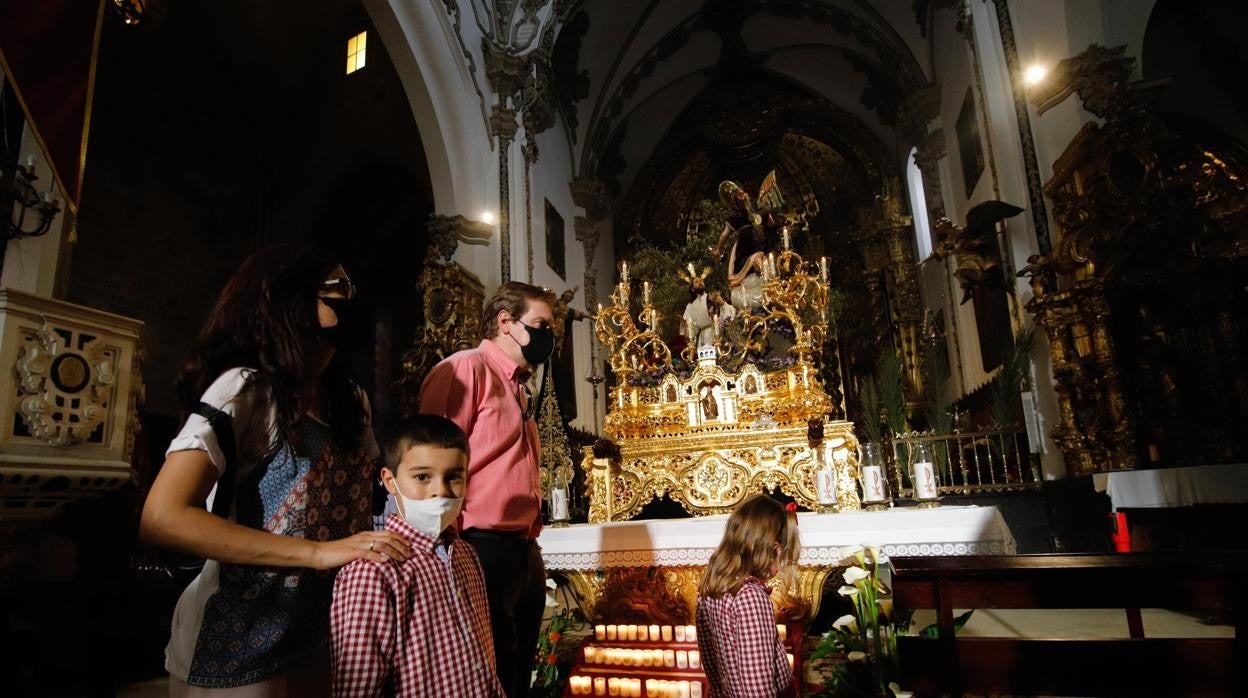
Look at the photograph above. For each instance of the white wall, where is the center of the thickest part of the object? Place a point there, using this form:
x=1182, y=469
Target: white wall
x=442, y=91
x=30, y=263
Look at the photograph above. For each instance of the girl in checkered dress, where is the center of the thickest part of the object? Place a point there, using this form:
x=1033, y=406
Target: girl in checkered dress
x=741, y=651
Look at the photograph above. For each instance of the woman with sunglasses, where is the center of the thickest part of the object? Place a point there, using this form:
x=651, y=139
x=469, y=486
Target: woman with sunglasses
x=269, y=480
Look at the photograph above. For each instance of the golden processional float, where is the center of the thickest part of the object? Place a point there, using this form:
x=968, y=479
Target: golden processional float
x=742, y=409
x=722, y=427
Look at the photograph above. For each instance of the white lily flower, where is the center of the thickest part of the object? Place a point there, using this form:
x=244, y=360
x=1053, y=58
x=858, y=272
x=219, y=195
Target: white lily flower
x=848, y=592
x=846, y=621
x=856, y=656
x=550, y=584
x=854, y=574
x=551, y=601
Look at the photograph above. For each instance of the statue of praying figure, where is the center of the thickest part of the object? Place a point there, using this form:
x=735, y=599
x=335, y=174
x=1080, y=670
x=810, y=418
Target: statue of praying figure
x=705, y=311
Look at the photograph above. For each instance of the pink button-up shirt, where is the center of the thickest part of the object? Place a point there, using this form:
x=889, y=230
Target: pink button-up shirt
x=480, y=390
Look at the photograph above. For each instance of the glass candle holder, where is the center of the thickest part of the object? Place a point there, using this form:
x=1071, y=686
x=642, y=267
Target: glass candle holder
x=559, y=506
x=923, y=476
x=871, y=475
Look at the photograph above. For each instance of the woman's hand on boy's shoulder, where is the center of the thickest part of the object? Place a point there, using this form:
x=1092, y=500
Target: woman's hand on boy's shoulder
x=378, y=546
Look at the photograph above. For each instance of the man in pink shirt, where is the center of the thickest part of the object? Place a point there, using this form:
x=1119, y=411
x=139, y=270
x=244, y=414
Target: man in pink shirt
x=483, y=391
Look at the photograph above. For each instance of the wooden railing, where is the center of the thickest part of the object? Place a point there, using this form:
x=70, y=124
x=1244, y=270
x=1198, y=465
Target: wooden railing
x=969, y=463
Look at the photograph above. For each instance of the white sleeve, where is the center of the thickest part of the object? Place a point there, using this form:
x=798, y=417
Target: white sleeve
x=234, y=393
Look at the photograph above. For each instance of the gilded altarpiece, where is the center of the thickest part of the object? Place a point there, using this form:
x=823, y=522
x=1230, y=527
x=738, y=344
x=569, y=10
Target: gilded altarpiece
x=1142, y=297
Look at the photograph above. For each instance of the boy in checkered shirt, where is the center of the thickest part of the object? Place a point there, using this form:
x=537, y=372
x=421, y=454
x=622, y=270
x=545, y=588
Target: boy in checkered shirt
x=420, y=627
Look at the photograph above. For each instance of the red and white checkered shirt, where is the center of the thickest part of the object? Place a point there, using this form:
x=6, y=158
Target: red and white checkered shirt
x=741, y=651
x=414, y=628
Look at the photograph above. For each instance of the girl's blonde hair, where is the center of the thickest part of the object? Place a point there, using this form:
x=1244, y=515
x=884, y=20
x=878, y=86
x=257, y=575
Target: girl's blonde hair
x=749, y=546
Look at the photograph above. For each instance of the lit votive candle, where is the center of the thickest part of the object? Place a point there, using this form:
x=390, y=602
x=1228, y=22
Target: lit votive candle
x=600, y=632
x=656, y=657
x=613, y=686
x=669, y=658
x=643, y=632
x=611, y=632
x=682, y=659
x=667, y=633
x=654, y=633
x=632, y=632
x=789, y=656
x=783, y=631
x=636, y=688
x=589, y=654
x=685, y=689
x=639, y=657
x=680, y=633
x=652, y=687
x=695, y=659
x=600, y=687
x=695, y=689
x=691, y=633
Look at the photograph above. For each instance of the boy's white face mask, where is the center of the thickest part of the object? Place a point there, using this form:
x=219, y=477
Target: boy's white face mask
x=429, y=516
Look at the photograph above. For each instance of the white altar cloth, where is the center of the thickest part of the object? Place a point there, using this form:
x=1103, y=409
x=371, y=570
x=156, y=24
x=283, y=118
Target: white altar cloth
x=826, y=538
x=1175, y=487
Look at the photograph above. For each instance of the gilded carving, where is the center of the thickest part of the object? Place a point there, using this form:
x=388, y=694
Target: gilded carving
x=452, y=305
x=65, y=384
x=668, y=595
x=1139, y=208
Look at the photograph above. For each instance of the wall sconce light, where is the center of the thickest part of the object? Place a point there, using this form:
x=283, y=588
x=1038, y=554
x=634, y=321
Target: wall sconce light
x=1034, y=74
x=24, y=212
x=487, y=217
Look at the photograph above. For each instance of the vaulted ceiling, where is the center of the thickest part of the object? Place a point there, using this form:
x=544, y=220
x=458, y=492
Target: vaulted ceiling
x=668, y=97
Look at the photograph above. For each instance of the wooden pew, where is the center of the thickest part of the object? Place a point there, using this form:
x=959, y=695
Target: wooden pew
x=1132, y=666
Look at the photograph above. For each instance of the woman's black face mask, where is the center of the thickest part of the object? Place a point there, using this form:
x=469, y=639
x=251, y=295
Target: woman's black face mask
x=354, y=329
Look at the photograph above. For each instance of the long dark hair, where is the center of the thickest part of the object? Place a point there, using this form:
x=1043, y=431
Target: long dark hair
x=265, y=319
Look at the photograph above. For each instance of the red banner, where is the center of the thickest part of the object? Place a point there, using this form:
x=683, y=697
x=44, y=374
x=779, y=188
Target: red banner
x=48, y=50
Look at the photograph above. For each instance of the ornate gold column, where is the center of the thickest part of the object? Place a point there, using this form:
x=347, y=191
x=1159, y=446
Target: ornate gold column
x=1096, y=431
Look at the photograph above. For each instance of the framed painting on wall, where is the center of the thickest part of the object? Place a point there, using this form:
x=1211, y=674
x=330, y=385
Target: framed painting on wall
x=556, y=256
x=970, y=149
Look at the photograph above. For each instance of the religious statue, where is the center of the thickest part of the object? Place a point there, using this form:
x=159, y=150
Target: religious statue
x=975, y=245
x=1036, y=271
x=704, y=312
x=561, y=364
x=565, y=315
x=757, y=229
x=710, y=407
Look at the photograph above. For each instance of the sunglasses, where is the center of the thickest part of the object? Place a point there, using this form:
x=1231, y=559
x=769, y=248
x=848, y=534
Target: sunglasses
x=342, y=285
x=528, y=405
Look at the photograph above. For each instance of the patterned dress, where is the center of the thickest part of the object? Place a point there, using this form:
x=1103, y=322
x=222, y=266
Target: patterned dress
x=237, y=624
